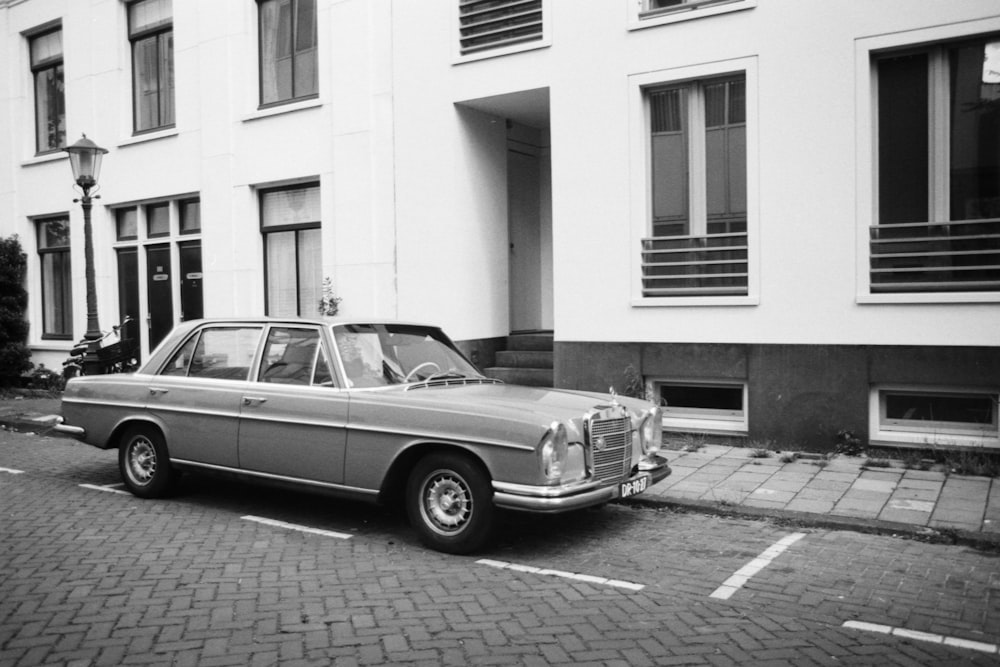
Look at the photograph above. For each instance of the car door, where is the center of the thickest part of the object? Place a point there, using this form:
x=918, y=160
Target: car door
x=293, y=419
x=196, y=396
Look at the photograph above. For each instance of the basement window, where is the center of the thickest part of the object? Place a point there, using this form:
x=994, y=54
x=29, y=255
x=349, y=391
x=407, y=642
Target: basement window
x=703, y=407
x=934, y=417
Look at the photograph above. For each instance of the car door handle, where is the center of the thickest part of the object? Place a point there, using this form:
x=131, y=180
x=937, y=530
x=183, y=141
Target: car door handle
x=250, y=400
x=154, y=391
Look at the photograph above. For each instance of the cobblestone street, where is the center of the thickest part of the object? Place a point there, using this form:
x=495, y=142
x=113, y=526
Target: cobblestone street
x=227, y=574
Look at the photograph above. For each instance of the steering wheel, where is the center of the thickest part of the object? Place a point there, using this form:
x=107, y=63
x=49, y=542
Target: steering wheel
x=410, y=375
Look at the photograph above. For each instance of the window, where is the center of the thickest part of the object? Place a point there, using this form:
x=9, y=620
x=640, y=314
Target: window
x=295, y=356
x=486, y=25
x=290, y=222
x=926, y=417
x=657, y=12
x=150, y=31
x=698, y=189
x=50, y=101
x=937, y=180
x=288, y=57
x=223, y=353
x=57, y=286
x=703, y=406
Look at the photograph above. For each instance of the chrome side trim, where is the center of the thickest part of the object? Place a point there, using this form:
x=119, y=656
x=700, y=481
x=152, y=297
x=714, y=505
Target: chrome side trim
x=280, y=478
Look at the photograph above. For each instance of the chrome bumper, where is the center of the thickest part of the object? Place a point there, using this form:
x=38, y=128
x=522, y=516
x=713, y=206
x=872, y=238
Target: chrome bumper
x=66, y=429
x=553, y=499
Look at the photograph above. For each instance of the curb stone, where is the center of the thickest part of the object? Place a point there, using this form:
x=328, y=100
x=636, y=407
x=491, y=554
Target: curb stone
x=974, y=539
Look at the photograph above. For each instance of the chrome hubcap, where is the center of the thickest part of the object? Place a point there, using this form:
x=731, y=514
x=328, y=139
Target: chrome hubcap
x=142, y=461
x=448, y=502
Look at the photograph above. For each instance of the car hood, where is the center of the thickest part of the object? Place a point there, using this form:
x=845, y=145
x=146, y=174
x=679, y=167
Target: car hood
x=496, y=411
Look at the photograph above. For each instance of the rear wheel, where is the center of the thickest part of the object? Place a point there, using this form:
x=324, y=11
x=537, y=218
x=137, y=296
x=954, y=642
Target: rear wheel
x=449, y=500
x=144, y=463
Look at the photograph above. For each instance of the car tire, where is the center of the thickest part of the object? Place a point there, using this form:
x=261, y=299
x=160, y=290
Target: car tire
x=449, y=500
x=144, y=463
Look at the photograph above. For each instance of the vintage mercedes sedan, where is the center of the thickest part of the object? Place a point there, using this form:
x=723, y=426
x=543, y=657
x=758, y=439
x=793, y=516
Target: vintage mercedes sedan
x=374, y=411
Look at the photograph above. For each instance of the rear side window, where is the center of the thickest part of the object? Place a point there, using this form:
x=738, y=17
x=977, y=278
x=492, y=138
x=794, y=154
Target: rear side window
x=222, y=353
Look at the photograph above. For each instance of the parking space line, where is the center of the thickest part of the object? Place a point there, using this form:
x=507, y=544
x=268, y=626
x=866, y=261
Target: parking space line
x=292, y=526
x=12, y=471
x=735, y=582
x=922, y=636
x=559, y=573
x=106, y=487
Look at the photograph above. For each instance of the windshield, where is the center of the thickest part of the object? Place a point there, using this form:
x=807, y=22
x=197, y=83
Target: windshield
x=375, y=355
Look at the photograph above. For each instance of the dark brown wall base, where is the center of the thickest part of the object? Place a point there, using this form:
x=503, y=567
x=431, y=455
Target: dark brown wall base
x=800, y=396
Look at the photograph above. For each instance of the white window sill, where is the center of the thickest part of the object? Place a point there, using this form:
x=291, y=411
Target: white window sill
x=148, y=136
x=680, y=14
x=502, y=51
x=928, y=297
x=45, y=158
x=281, y=109
x=674, y=302
x=927, y=440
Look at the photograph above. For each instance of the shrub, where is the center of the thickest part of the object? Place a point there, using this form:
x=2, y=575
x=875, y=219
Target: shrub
x=14, y=352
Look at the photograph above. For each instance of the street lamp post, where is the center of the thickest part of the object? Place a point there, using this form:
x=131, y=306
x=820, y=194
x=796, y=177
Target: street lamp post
x=85, y=160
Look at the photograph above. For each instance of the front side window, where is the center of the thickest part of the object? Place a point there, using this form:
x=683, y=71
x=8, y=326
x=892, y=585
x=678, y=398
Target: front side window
x=57, y=286
x=50, y=101
x=290, y=222
x=288, y=57
x=698, y=189
x=151, y=34
x=295, y=356
x=938, y=175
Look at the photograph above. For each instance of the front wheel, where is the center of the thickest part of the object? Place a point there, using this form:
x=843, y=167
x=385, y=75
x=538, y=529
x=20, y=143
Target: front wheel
x=449, y=500
x=144, y=463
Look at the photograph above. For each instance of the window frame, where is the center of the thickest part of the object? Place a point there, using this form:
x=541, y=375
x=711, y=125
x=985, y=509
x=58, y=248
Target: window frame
x=866, y=53
x=641, y=188
x=703, y=420
x=927, y=434
x=66, y=254
x=296, y=228
x=293, y=98
x=57, y=65
x=158, y=32
x=544, y=40
x=639, y=17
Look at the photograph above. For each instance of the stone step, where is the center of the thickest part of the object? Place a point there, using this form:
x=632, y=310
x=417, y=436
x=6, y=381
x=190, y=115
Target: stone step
x=532, y=377
x=538, y=341
x=524, y=359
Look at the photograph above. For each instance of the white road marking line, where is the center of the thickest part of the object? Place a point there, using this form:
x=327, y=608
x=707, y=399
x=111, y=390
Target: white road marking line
x=107, y=487
x=922, y=636
x=12, y=471
x=735, y=582
x=292, y=526
x=560, y=573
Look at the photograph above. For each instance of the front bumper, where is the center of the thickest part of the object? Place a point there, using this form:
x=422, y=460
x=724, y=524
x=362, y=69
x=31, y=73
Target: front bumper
x=71, y=431
x=554, y=499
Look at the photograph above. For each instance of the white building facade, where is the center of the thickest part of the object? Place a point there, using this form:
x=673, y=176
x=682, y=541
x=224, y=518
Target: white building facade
x=780, y=216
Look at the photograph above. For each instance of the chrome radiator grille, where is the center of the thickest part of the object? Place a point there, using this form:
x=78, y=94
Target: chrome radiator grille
x=611, y=447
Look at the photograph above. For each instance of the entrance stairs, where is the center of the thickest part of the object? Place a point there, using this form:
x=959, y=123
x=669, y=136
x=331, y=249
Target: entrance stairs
x=527, y=360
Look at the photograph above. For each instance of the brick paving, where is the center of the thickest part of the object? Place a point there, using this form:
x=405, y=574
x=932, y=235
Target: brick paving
x=94, y=578
x=841, y=488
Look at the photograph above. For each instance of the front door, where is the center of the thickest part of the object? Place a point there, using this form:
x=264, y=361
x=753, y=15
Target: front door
x=525, y=241
x=159, y=292
x=192, y=304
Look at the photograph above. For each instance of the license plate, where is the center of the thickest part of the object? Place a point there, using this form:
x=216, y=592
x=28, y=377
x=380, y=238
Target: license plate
x=634, y=486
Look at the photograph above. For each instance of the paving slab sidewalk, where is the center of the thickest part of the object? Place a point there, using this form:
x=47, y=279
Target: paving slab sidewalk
x=840, y=491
